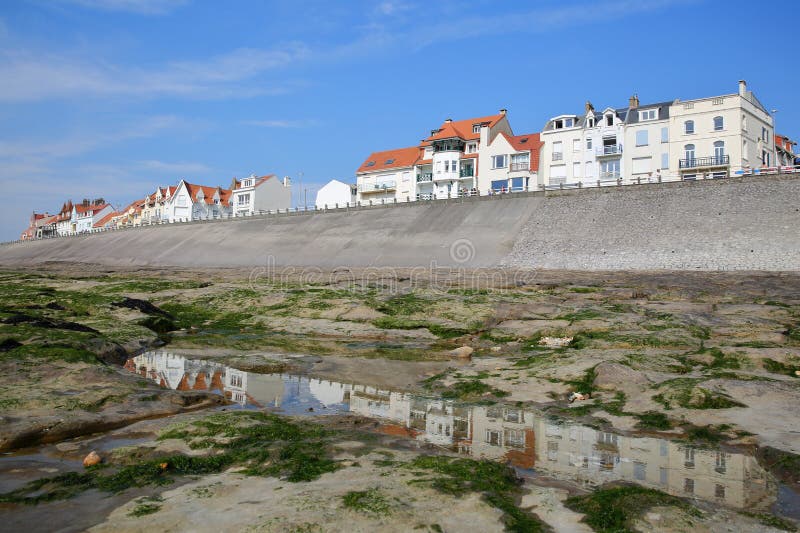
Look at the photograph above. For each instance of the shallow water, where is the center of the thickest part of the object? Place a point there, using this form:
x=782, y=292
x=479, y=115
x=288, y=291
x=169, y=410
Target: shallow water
x=529, y=440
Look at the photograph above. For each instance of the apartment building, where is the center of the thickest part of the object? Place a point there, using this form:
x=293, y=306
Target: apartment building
x=708, y=137
x=508, y=163
x=721, y=135
x=444, y=164
x=260, y=194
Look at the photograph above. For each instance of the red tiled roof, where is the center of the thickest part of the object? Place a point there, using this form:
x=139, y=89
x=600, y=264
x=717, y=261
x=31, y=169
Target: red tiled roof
x=463, y=128
x=784, y=142
x=89, y=208
x=258, y=181
x=106, y=219
x=529, y=142
x=208, y=193
x=400, y=157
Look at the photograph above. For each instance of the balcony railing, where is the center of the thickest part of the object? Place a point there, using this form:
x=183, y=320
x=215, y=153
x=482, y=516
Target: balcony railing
x=425, y=176
x=376, y=187
x=467, y=172
x=609, y=149
x=524, y=165
x=612, y=175
x=697, y=162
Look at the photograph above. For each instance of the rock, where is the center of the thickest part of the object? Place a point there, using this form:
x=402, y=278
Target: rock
x=9, y=344
x=462, y=352
x=555, y=342
x=92, y=459
x=578, y=396
x=702, y=358
x=143, y=306
x=107, y=351
x=496, y=349
x=611, y=375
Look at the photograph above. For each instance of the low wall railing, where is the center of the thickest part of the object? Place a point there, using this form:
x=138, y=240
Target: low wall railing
x=498, y=193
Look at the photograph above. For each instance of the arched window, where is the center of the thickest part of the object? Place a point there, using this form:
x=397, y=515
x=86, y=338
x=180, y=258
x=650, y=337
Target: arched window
x=689, y=152
x=719, y=123
x=688, y=126
x=719, y=152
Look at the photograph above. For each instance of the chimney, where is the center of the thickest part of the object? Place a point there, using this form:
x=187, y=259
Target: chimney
x=589, y=106
x=503, y=111
x=287, y=181
x=633, y=101
x=448, y=121
x=742, y=88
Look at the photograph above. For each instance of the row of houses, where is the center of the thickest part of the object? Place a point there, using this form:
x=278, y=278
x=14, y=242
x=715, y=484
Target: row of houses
x=184, y=202
x=713, y=137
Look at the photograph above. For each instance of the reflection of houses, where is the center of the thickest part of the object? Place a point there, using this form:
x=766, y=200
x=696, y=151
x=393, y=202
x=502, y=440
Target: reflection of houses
x=504, y=432
x=179, y=373
x=594, y=457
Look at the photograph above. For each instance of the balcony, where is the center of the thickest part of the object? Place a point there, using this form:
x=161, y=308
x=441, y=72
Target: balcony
x=608, y=150
x=705, y=162
x=425, y=176
x=558, y=156
x=612, y=175
x=521, y=166
x=468, y=172
x=366, y=188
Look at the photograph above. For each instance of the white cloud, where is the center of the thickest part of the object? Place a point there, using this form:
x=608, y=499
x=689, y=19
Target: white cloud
x=176, y=170
x=141, y=7
x=30, y=77
x=304, y=123
x=78, y=144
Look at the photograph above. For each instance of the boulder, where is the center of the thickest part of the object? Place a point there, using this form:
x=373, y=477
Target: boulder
x=462, y=352
x=555, y=342
x=92, y=459
x=611, y=375
x=107, y=351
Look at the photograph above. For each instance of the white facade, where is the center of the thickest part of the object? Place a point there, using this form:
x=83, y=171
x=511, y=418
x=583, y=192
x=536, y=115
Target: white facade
x=258, y=195
x=198, y=202
x=84, y=217
x=335, y=193
x=508, y=163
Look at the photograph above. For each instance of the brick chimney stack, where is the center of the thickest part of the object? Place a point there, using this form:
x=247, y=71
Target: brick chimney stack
x=633, y=102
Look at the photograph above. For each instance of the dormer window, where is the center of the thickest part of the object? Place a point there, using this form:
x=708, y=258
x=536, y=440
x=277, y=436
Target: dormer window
x=476, y=128
x=371, y=164
x=647, y=114
x=247, y=183
x=569, y=122
x=590, y=122
x=389, y=161
x=609, y=120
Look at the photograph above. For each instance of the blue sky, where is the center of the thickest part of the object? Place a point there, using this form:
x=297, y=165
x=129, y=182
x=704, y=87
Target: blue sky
x=110, y=98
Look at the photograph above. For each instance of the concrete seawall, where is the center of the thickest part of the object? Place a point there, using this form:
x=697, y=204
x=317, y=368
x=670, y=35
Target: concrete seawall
x=750, y=223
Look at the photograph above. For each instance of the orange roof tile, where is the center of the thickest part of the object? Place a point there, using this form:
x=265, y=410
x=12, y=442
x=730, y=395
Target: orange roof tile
x=398, y=158
x=529, y=142
x=463, y=128
x=105, y=220
x=208, y=193
x=89, y=208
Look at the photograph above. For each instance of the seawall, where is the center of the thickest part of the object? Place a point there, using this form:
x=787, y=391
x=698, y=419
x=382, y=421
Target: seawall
x=747, y=223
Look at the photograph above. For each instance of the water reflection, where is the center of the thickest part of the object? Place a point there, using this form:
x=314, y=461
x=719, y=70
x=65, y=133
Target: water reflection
x=527, y=439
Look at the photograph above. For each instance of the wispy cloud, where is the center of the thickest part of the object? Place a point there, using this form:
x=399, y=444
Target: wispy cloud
x=30, y=77
x=303, y=123
x=79, y=144
x=141, y=7
x=176, y=169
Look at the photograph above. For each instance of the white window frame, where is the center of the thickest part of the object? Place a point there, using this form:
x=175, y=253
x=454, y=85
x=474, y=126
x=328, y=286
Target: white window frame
x=645, y=134
x=721, y=123
x=688, y=127
x=502, y=158
x=648, y=114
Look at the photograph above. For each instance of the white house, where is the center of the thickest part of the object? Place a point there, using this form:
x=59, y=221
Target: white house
x=85, y=216
x=647, y=141
x=721, y=135
x=388, y=175
x=253, y=195
x=509, y=162
x=335, y=193
x=198, y=202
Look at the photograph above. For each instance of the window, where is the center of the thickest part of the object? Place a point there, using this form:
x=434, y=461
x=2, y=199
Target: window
x=590, y=122
x=688, y=486
x=454, y=166
x=720, y=462
x=744, y=122
x=688, y=458
x=664, y=135
x=576, y=145
x=515, y=438
x=499, y=185
x=558, y=124
x=389, y=161
x=552, y=451
x=719, y=151
x=247, y=183
x=569, y=122
x=664, y=161
x=499, y=161
x=371, y=164
x=649, y=114
x=243, y=199
x=472, y=148
x=639, y=471
x=764, y=136
x=576, y=170
x=447, y=166
x=688, y=127
x=558, y=173
x=662, y=475
x=609, y=169
x=688, y=151
x=765, y=158
x=589, y=143
x=719, y=123
x=493, y=437
x=663, y=449
x=641, y=138
x=719, y=491
x=476, y=128
x=609, y=120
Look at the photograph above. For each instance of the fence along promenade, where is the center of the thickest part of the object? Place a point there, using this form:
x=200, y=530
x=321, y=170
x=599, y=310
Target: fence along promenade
x=455, y=195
